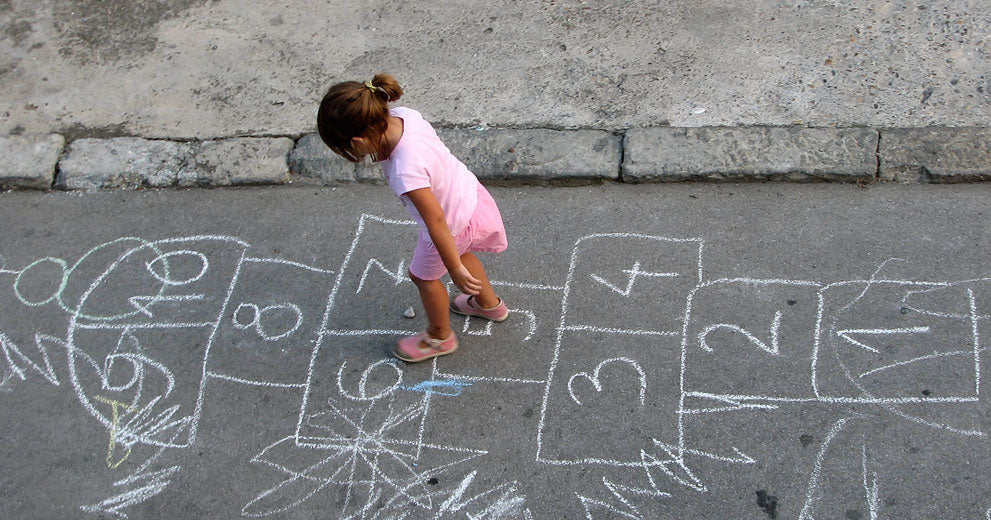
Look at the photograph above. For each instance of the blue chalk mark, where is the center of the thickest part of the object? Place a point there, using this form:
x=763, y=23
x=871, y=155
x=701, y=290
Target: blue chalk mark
x=447, y=387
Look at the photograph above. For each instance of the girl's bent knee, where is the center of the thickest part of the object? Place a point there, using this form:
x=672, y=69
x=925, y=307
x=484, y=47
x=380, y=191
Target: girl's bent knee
x=420, y=282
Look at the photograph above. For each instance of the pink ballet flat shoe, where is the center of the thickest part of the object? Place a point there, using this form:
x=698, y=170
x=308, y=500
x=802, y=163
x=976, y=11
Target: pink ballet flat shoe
x=464, y=304
x=422, y=347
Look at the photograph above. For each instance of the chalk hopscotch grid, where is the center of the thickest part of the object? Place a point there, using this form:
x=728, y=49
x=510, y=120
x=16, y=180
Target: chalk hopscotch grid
x=675, y=454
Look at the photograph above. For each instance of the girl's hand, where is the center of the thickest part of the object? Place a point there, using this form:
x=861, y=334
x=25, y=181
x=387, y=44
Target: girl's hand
x=467, y=283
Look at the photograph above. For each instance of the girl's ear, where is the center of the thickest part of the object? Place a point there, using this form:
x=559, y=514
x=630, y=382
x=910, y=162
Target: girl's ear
x=360, y=144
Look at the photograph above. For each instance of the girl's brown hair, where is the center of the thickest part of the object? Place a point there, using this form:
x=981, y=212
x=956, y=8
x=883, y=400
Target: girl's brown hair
x=354, y=109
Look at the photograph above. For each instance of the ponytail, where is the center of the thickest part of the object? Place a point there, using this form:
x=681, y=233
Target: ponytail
x=353, y=109
x=387, y=85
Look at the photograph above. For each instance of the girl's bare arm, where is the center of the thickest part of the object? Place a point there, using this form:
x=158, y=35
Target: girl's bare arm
x=433, y=216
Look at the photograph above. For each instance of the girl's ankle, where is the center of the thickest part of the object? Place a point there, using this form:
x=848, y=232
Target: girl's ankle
x=498, y=301
x=441, y=336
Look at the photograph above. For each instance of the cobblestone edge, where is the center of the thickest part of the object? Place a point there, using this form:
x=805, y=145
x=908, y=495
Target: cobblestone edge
x=518, y=156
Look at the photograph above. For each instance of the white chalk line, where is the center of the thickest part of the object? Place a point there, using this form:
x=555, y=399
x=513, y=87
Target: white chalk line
x=890, y=406
x=198, y=411
x=368, y=442
x=741, y=458
x=528, y=286
x=734, y=404
x=323, y=443
x=363, y=383
x=144, y=326
x=813, y=487
x=531, y=321
x=359, y=451
x=252, y=382
x=397, y=277
x=152, y=300
x=489, y=379
x=772, y=349
x=845, y=334
x=11, y=351
x=934, y=355
x=426, y=411
x=369, y=332
x=290, y=263
x=610, y=330
x=909, y=294
x=977, y=350
x=155, y=483
x=256, y=320
x=868, y=284
x=631, y=511
x=936, y=425
x=836, y=400
x=735, y=401
x=650, y=461
x=486, y=332
x=871, y=492
x=557, y=349
x=160, y=423
x=977, y=341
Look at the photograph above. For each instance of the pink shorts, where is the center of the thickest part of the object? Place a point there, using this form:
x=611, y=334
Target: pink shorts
x=485, y=233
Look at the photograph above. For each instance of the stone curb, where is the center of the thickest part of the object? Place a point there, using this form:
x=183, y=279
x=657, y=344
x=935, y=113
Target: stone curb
x=29, y=162
x=536, y=155
x=755, y=153
x=526, y=156
x=935, y=155
x=132, y=163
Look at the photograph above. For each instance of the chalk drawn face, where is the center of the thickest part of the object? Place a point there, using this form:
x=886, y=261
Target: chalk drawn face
x=130, y=301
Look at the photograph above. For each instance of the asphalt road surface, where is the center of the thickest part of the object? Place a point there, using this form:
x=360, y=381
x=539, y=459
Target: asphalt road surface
x=674, y=351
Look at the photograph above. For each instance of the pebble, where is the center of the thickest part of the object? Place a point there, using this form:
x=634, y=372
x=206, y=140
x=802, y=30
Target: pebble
x=409, y=312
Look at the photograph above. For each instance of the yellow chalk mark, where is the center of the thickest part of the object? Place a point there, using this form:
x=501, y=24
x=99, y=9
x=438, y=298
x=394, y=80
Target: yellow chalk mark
x=115, y=406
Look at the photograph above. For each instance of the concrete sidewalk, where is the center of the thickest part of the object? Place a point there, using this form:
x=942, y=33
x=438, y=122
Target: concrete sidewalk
x=532, y=91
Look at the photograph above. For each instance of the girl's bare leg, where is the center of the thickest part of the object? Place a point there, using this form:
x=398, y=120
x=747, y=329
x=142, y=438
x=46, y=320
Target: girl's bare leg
x=434, y=296
x=487, y=297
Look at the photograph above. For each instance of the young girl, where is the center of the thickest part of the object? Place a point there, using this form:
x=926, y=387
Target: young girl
x=455, y=213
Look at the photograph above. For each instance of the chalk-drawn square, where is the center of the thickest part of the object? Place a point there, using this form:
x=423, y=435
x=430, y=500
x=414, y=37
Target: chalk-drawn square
x=471, y=418
x=751, y=338
x=610, y=396
x=519, y=348
x=357, y=376
x=631, y=282
x=269, y=329
x=373, y=288
x=897, y=339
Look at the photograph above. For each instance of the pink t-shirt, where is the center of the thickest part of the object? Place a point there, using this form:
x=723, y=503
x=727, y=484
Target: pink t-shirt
x=420, y=160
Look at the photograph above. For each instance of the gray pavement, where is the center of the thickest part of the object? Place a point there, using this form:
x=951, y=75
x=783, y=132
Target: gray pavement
x=675, y=351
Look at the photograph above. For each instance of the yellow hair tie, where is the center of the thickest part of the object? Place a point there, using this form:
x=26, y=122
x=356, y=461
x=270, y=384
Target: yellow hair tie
x=371, y=87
